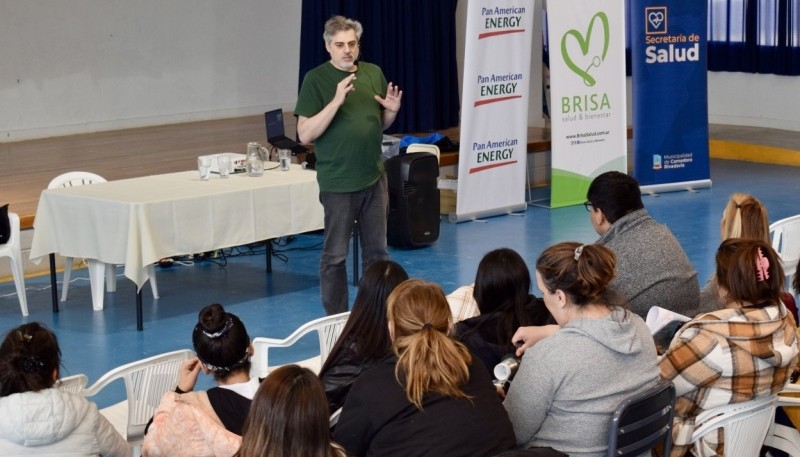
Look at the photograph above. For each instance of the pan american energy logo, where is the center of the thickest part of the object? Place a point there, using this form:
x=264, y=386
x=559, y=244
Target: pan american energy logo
x=494, y=153
x=501, y=21
x=584, y=54
x=496, y=87
x=663, y=47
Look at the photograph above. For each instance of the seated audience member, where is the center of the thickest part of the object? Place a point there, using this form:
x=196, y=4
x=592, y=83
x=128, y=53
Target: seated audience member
x=208, y=423
x=502, y=291
x=289, y=417
x=652, y=268
x=364, y=340
x=743, y=217
x=732, y=355
x=36, y=418
x=434, y=399
x=569, y=384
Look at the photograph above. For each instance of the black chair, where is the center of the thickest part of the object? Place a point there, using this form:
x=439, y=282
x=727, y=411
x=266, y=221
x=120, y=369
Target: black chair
x=642, y=421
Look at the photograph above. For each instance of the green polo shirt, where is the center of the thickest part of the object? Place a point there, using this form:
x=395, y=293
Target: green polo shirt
x=349, y=151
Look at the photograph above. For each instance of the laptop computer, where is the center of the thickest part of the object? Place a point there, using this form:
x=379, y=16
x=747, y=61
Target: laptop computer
x=276, y=135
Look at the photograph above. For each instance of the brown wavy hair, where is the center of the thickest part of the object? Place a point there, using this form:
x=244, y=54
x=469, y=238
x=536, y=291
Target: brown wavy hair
x=737, y=271
x=288, y=417
x=428, y=359
x=584, y=276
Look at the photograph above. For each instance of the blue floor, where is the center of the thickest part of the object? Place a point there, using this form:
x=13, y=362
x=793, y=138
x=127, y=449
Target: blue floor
x=274, y=305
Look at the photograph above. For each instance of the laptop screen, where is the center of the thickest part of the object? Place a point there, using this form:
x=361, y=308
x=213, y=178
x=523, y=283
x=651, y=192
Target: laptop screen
x=274, y=120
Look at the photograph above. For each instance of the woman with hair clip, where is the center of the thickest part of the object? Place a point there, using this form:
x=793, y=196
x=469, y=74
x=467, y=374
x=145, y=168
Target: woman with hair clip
x=364, y=341
x=502, y=291
x=433, y=398
x=744, y=216
x=569, y=384
x=36, y=418
x=289, y=417
x=207, y=423
x=744, y=351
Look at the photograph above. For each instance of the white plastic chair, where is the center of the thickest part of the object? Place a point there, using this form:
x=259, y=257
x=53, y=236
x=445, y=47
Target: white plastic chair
x=328, y=329
x=782, y=437
x=786, y=242
x=74, y=384
x=13, y=250
x=97, y=269
x=421, y=147
x=146, y=381
x=745, y=425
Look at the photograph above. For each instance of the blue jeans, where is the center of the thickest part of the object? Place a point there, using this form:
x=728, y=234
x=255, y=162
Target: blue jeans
x=370, y=207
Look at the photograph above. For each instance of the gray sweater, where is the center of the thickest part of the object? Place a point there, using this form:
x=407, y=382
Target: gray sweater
x=652, y=268
x=568, y=385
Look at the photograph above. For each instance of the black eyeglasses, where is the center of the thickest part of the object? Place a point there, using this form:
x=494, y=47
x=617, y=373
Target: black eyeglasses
x=588, y=205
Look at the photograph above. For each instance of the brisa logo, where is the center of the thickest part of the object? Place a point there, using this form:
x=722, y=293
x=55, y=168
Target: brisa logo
x=583, y=64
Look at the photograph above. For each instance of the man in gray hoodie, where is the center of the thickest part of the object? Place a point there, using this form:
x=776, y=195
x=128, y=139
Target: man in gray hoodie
x=652, y=268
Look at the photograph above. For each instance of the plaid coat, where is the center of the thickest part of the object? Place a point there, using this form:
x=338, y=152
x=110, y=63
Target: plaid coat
x=726, y=356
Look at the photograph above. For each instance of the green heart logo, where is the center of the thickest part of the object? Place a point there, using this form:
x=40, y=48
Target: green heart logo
x=584, y=43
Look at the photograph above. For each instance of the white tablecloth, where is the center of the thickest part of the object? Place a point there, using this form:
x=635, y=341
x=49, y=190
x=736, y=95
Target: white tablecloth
x=136, y=222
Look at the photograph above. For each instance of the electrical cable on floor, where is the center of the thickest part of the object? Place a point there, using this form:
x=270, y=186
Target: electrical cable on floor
x=218, y=257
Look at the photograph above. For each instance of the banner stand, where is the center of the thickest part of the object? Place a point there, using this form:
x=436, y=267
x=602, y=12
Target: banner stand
x=690, y=186
x=493, y=152
x=476, y=215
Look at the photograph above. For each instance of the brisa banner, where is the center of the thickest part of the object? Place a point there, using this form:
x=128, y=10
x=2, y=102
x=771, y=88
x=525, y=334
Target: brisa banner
x=670, y=94
x=587, y=89
x=492, y=159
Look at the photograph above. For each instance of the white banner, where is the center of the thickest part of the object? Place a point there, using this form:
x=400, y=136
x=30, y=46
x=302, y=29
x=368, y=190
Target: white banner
x=587, y=89
x=492, y=160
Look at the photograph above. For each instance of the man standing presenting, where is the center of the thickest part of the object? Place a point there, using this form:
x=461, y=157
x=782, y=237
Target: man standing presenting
x=343, y=108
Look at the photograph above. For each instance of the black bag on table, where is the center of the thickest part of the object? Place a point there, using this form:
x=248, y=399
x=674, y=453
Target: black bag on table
x=5, y=225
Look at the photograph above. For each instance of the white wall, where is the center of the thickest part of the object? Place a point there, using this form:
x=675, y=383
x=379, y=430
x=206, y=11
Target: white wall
x=71, y=66
x=74, y=66
x=754, y=100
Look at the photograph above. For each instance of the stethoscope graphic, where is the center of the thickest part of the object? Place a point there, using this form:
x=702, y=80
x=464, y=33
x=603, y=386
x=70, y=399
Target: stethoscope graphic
x=595, y=63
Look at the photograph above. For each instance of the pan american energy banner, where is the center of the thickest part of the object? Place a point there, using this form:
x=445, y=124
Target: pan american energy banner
x=492, y=159
x=587, y=88
x=670, y=94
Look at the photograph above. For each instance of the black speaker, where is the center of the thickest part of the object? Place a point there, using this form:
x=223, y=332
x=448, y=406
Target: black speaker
x=413, y=200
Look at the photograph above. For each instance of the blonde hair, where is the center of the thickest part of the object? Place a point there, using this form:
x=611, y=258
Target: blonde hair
x=428, y=360
x=744, y=217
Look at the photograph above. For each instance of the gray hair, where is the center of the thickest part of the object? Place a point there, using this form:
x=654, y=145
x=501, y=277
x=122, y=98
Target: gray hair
x=338, y=24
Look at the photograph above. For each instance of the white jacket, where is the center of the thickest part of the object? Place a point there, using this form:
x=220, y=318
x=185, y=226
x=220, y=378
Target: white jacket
x=56, y=423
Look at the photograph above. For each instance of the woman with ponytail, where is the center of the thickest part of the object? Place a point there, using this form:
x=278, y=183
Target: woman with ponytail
x=569, y=383
x=210, y=423
x=743, y=217
x=433, y=398
x=37, y=418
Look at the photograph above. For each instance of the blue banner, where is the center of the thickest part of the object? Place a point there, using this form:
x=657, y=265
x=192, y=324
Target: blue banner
x=670, y=92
